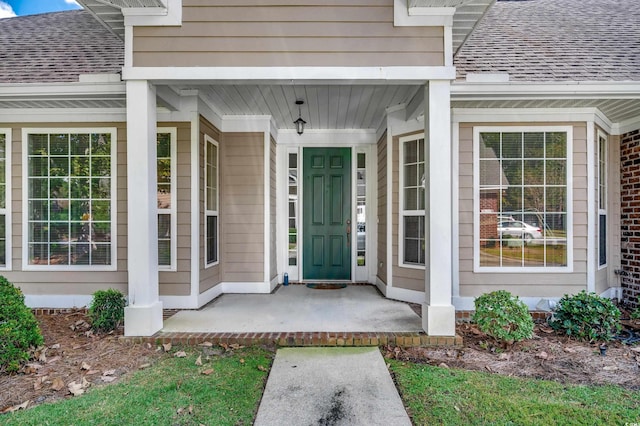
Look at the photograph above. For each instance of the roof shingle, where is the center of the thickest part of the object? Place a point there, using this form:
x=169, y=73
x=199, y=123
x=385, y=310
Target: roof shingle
x=556, y=40
x=56, y=47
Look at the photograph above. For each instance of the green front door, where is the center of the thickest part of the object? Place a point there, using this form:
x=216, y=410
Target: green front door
x=326, y=213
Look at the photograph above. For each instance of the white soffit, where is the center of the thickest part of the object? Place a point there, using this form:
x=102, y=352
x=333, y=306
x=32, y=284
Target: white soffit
x=468, y=13
x=109, y=12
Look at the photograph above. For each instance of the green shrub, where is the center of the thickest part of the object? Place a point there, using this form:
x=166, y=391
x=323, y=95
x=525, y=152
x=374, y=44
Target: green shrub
x=635, y=315
x=19, y=329
x=586, y=316
x=503, y=317
x=107, y=309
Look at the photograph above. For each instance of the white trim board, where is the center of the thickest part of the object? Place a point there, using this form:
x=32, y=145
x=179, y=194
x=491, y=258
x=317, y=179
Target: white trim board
x=285, y=75
x=8, y=167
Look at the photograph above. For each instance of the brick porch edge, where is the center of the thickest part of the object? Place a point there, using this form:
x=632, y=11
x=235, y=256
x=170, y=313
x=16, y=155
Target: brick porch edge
x=285, y=339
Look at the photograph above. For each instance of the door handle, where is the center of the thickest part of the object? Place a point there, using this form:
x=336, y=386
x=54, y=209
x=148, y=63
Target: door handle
x=348, y=232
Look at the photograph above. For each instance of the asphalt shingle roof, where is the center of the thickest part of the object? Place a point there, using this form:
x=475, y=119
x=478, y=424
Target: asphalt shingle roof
x=56, y=47
x=556, y=40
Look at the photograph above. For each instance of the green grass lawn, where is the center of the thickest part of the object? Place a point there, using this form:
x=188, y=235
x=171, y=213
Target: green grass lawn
x=172, y=392
x=175, y=392
x=439, y=396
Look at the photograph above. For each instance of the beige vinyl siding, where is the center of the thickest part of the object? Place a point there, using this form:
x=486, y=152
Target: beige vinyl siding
x=382, y=208
x=606, y=277
x=178, y=283
x=209, y=277
x=242, y=207
x=406, y=278
x=67, y=282
x=287, y=33
x=272, y=177
x=523, y=284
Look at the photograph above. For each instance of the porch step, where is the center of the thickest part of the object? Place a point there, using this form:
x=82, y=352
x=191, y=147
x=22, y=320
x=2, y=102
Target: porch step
x=297, y=339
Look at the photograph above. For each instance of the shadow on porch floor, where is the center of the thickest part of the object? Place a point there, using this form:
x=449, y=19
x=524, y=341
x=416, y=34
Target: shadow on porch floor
x=295, y=315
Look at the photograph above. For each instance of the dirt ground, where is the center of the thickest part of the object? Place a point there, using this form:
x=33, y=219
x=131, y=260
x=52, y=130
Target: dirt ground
x=74, y=359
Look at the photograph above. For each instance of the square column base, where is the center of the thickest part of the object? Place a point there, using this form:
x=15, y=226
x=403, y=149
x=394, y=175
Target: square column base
x=439, y=320
x=143, y=320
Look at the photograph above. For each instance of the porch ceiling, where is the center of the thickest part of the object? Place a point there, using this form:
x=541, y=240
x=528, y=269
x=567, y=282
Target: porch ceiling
x=325, y=107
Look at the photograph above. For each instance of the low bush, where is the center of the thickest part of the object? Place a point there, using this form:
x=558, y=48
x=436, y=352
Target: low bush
x=19, y=329
x=503, y=316
x=107, y=309
x=586, y=316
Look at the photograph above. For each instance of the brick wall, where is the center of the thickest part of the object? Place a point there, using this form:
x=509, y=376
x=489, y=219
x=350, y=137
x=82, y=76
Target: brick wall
x=630, y=216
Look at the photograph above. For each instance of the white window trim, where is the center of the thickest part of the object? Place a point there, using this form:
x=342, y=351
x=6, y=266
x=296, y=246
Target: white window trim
x=401, y=211
x=25, y=199
x=207, y=213
x=476, y=199
x=7, y=210
x=172, y=212
x=602, y=212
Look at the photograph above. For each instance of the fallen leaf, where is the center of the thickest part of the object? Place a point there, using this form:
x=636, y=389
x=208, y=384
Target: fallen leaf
x=261, y=368
x=542, y=355
x=455, y=407
x=191, y=409
x=37, y=385
x=108, y=379
x=143, y=366
x=54, y=359
x=166, y=346
x=206, y=344
x=31, y=368
x=180, y=354
x=504, y=356
x=443, y=365
x=488, y=368
x=610, y=368
x=108, y=372
x=92, y=372
x=180, y=411
x=208, y=371
x=85, y=383
x=636, y=349
x=75, y=388
x=22, y=406
x=236, y=346
x=85, y=366
x=43, y=355
x=569, y=350
x=241, y=360
x=199, y=360
x=55, y=346
x=546, y=329
x=57, y=384
x=148, y=345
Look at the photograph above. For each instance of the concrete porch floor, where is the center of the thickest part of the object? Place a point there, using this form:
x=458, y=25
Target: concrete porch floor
x=296, y=308
x=295, y=315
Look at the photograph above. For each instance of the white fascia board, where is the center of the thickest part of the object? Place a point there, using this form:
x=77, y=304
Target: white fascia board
x=66, y=90
x=518, y=115
x=246, y=123
x=67, y=115
x=286, y=75
x=313, y=137
x=625, y=126
x=154, y=16
x=465, y=91
x=405, y=16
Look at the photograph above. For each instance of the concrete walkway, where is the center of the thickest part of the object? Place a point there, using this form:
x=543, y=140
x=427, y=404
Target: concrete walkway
x=330, y=386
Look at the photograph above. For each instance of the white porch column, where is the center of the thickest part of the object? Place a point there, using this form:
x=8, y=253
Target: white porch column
x=438, y=313
x=143, y=316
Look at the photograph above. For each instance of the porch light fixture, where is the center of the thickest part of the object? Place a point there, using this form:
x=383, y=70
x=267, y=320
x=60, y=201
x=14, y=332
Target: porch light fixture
x=300, y=122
